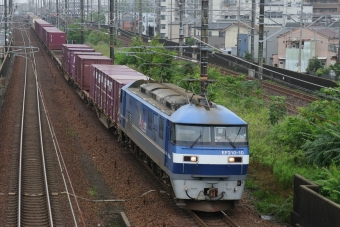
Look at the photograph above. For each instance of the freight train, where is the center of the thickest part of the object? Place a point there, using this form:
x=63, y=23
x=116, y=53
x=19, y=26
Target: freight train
x=197, y=148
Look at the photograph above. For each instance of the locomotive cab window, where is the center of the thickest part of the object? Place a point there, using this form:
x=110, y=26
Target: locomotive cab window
x=189, y=134
x=225, y=135
x=206, y=135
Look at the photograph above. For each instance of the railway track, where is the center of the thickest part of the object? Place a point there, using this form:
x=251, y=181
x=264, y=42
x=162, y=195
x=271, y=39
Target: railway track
x=291, y=107
x=213, y=219
x=277, y=88
x=33, y=199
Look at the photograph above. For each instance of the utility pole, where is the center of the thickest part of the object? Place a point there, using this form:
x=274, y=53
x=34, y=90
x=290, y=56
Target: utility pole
x=261, y=26
x=158, y=17
x=66, y=19
x=111, y=32
x=98, y=14
x=82, y=21
x=238, y=29
x=252, y=32
x=171, y=20
x=338, y=58
x=116, y=18
x=10, y=7
x=181, y=35
x=5, y=5
x=57, y=16
x=300, y=41
x=204, y=47
x=140, y=21
x=135, y=17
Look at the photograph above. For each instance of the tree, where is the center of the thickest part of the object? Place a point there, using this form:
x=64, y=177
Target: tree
x=154, y=62
x=247, y=56
x=314, y=64
x=97, y=36
x=95, y=17
x=277, y=109
x=335, y=68
x=73, y=33
x=190, y=41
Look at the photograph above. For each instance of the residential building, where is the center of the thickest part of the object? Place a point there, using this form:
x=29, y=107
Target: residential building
x=315, y=42
x=328, y=8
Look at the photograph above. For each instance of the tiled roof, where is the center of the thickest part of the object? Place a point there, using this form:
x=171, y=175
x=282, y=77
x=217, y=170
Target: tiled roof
x=330, y=34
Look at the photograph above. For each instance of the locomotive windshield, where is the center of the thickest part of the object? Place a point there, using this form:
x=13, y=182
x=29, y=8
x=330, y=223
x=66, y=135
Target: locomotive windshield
x=194, y=135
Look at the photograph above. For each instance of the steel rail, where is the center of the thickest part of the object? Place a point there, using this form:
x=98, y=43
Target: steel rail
x=42, y=143
x=229, y=220
x=198, y=219
x=21, y=139
x=20, y=177
x=62, y=165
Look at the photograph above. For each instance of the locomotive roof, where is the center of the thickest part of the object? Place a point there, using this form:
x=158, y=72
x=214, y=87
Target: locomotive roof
x=183, y=106
x=190, y=114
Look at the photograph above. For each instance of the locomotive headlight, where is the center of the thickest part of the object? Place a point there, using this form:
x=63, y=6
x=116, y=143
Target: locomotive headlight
x=190, y=158
x=234, y=159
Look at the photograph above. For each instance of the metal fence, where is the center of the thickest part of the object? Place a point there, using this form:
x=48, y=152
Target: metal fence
x=311, y=209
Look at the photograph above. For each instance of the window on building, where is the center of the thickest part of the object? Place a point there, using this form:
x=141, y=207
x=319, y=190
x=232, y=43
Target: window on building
x=162, y=17
x=162, y=26
x=163, y=8
x=221, y=34
x=210, y=33
x=272, y=14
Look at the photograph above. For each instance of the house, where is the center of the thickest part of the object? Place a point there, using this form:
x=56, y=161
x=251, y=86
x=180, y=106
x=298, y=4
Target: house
x=216, y=34
x=234, y=36
x=318, y=41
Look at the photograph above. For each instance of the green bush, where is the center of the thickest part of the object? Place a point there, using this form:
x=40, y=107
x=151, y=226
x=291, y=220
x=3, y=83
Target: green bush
x=277, y=109
x=96, y=37
x=328, y=179
x=324, y=147
x=285, y=168
x=291, y=133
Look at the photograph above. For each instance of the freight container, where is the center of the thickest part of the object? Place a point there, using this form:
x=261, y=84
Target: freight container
x=65, y=54
x=69, y=58
x=39, y=25
x=105, y=88
x=45, y=29
x=97, y=70
x=83, y=68
x=72, y=60
x=32, y=21
x=54, y=39
x=111, y=70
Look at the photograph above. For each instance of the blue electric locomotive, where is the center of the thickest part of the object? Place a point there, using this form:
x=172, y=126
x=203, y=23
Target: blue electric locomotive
x=201, y=151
